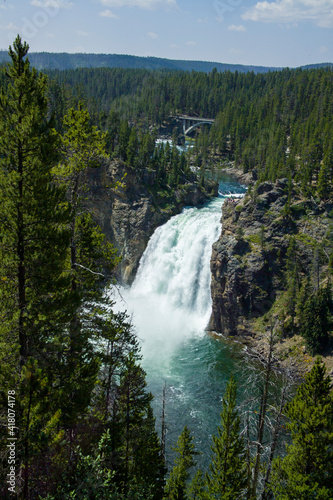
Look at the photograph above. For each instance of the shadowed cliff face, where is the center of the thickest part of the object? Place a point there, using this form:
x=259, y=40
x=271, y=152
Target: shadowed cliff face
x=129, y=214
x=248, y=260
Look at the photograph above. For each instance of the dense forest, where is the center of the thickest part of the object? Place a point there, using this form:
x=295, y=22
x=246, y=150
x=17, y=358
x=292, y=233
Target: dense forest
x=278, y=123
x=76, y=416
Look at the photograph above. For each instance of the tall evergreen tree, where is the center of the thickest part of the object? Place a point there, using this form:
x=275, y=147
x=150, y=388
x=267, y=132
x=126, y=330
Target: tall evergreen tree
x=307, y=470
x=32, y=208
x=33, y=246
x=317, y=319
x=176, y=485
x=133, y=417
x=292, y=278
x=82, y=147
x=228, y=471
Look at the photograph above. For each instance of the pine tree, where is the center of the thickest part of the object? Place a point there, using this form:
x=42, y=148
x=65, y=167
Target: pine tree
x=31, y=207
x=133, y=403
x=317, y=319
x=228, y=472
x=307, y=470
x=149, y=466
x=132, y=148
x=292, y=278
x=197, y=488
x=323, y=188
x=176, y=485
x=114, y=343
x=33, y=244
x=83, y=147
x=302, y=297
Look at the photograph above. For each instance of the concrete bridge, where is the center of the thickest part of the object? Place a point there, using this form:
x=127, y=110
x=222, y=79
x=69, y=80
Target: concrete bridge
x=191, y=122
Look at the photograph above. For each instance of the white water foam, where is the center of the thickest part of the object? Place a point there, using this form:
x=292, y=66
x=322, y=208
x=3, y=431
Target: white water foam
x=170, y=298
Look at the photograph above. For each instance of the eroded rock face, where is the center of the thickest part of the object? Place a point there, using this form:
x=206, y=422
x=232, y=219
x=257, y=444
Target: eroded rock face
x=129, y=214
x=241, y=284
x=249, y=258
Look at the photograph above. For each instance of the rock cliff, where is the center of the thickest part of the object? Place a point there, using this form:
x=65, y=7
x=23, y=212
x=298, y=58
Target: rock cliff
x=248, y=260
x=129, y=214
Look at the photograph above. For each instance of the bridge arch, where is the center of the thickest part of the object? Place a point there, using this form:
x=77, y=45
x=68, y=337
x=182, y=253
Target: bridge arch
x=192, y=122
x=189, y=130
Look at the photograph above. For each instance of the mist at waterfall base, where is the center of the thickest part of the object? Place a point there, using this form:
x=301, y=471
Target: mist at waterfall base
x=170, y=305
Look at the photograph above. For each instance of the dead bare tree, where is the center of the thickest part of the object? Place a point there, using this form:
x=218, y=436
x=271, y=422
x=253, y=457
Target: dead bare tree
x=265, y=392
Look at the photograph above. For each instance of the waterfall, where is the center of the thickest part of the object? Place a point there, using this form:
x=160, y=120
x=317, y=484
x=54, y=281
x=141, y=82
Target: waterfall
x=170, y=305
x=170, y=297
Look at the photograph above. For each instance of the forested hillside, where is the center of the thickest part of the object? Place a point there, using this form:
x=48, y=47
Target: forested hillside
x=63, y=61
x=76, y=416
x=277, y=124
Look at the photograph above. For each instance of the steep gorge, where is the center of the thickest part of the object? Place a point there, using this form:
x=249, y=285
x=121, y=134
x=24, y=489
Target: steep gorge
x=129, y=214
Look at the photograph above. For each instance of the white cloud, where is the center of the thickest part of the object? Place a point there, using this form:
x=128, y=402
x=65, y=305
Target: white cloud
x=10, y=27
x=233, y=27
x=323, y=49
x=82, y=33
x=143, y=4
x=191, y=42
x=109, y=14
x=151, y=34
x=291, y=11
x=52, y=4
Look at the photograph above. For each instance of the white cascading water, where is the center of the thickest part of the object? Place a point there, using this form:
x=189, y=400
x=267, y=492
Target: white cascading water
x=170, y=305
x=170, y=297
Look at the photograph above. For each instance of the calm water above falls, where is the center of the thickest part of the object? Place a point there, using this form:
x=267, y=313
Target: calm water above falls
x=170, y=304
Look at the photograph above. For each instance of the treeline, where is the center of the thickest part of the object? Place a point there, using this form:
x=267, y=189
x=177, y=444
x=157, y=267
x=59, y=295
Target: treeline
x=277, y=124
x=63, y=61
x=161, y=166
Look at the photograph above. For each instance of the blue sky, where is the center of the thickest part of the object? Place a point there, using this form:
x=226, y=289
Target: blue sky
x=268, y=33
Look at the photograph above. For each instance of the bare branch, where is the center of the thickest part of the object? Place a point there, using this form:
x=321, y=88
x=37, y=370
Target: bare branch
x=90, y=271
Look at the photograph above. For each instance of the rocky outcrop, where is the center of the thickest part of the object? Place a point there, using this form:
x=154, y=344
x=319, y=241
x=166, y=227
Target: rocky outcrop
x=248, y=259
x=247, y=178
x=129, y=213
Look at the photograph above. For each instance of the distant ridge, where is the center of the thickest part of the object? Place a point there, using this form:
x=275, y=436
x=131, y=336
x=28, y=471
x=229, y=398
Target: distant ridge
x=62, y=61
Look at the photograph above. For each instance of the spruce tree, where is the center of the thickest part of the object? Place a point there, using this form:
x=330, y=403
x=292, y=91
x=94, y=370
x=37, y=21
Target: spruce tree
x=317, y=319
x=132, y=408
x=82, y=147
x=32, y=209
x=33, y=245
x=176, y=485
x=307, y=470
x=228, y=472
